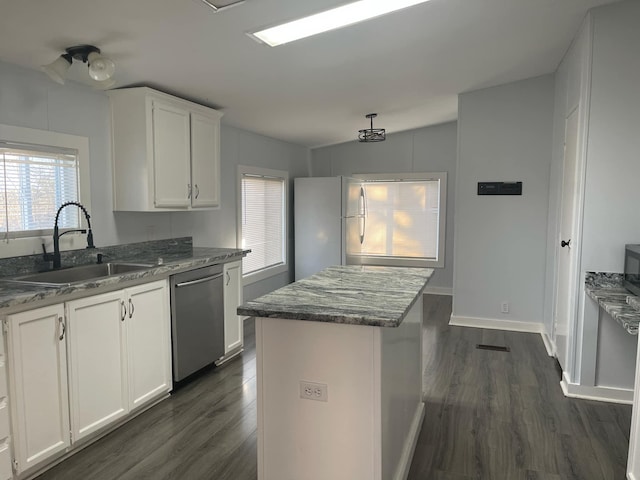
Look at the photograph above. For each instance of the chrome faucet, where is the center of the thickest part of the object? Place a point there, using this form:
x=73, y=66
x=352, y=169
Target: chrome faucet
x=55, y=256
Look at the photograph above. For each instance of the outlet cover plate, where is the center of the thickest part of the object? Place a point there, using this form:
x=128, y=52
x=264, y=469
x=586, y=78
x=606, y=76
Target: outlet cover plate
x=314, y=391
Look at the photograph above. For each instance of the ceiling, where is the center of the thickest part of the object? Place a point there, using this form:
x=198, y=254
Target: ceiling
x=407, y=66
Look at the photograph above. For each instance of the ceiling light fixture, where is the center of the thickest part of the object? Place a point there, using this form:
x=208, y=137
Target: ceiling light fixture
x=101, y=68
x=367, y=135
x=330, y=20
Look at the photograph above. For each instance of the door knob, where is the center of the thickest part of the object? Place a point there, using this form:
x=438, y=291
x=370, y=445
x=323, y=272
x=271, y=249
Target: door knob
x=565, y=244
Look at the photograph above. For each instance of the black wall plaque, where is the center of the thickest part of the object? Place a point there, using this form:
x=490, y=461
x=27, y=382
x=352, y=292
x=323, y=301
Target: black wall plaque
x=499, y=188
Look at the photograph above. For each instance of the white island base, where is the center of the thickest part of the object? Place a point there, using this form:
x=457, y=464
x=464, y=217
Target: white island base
x=368, y=427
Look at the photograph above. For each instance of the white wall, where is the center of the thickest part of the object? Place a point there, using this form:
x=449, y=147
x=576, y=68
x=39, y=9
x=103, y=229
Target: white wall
x=30, y=99
x=612, y=196
x=430, y=149
x=504, y=134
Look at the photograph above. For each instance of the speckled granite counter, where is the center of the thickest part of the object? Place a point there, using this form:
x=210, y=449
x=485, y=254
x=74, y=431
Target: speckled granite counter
x=355, y=295
x=607, y=290
x=175, y=255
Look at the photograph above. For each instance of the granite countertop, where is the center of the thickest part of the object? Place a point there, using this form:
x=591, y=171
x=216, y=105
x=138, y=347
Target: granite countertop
x=349, y=294
x=173, y=260
x=607, y=290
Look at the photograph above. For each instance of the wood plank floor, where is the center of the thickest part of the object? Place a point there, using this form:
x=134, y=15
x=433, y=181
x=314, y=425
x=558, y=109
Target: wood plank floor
x=490, y=415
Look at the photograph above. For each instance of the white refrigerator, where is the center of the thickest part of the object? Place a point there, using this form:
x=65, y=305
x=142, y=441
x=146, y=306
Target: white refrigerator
x=329, y=222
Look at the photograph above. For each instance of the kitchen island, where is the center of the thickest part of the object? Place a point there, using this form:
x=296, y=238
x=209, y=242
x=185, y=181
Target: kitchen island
x=339, y=361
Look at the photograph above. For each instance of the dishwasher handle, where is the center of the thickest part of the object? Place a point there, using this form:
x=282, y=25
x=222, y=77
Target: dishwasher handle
x=199, y=280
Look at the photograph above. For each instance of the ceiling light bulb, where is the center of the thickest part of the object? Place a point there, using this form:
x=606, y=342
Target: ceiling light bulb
x=104, y=84
x=100, y=68
x=57, y=69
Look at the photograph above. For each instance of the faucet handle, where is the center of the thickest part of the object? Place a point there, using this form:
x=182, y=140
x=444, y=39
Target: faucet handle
x=45, y=255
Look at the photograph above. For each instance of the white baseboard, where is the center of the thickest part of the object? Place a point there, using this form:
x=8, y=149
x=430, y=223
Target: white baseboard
x=496, y=324
x=549, y=344
x=600, y=394
x=439, y=290
x=402, y=471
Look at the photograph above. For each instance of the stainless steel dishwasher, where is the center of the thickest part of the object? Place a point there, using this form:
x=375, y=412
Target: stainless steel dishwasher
x=197, y=320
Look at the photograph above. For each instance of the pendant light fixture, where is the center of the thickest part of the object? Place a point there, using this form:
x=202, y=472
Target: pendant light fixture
x=367, y=135
x=101, y=68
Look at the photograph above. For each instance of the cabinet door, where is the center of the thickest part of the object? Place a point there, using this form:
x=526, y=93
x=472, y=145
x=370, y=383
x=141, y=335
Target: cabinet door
x=38, y=383
x=205, y=160
x=97, y=362
x=233, y=335
x=171, y=156
x=149, y=342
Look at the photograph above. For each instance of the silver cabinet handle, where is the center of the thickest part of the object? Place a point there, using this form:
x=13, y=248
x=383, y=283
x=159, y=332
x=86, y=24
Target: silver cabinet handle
x=188, y=190
x=197, y=191
x=131, y=308
x=124, y=310
x=63, y=328
x=228, y=278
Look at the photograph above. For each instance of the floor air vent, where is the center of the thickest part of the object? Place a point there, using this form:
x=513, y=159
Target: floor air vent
x=497, y=348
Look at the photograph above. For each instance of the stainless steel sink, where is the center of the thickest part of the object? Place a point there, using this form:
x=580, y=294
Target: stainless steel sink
x=83, y=273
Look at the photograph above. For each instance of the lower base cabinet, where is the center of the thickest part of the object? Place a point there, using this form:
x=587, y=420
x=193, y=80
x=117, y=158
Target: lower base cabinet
x=78, y=367
x=37, y=355
x=233, y=334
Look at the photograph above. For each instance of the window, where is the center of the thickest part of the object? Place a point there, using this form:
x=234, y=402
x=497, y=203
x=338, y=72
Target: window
x=262, y=222
x=36, y=181
x=400, y=222
x=40, y=170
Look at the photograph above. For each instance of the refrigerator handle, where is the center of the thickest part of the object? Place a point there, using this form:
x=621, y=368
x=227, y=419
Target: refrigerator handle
x=362, y=221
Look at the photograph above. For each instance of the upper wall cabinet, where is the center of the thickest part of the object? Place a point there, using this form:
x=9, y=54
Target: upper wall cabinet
x=166, y=152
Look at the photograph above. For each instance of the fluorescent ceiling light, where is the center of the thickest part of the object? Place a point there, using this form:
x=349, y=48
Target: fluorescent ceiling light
x=330, y=20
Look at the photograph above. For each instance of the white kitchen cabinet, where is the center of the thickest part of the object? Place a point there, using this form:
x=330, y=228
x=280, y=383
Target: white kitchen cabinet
x=166, y=152
x=97, y=362
x=149, y=343
x=38, y=381
x=205, y=167
x=233, y=335
x=171, y=155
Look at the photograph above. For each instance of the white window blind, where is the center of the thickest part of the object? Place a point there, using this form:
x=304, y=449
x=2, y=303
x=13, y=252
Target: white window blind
x=36, y=180
x=263, y=222
x=401, y=219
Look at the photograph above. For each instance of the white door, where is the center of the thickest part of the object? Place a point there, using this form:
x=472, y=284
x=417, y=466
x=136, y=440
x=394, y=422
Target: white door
x=171, y=156
x=233, y=338
x=149, y=342
x=97, y=362
x=566, y=288
x=205, y=161
x=38, y=382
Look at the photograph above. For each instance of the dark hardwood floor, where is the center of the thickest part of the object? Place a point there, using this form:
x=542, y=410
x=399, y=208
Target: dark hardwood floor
x=490, y=415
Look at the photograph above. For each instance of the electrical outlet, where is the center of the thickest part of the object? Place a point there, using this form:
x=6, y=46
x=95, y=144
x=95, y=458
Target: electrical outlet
x=504, y=307
x=314, y=391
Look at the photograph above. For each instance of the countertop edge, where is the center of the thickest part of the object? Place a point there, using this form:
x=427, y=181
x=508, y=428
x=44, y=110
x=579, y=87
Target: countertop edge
x=17, y=295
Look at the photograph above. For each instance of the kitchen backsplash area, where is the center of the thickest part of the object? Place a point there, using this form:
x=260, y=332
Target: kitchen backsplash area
x=162, y=249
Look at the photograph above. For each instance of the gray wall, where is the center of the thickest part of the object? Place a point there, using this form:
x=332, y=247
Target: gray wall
x=430, y=149
x=504, y=134
x=612, y=195
x=30, y=99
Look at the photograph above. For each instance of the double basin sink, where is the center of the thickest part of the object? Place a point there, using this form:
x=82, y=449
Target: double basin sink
x=79, y=274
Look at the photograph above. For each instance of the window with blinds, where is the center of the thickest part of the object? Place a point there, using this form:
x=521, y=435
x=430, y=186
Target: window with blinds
x=402, y=221
x=263, y=221
x=36, y=180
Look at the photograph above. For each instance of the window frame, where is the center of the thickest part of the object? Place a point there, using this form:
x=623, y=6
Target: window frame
x=26, y=245
x=442, y=222
x=268, y=272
